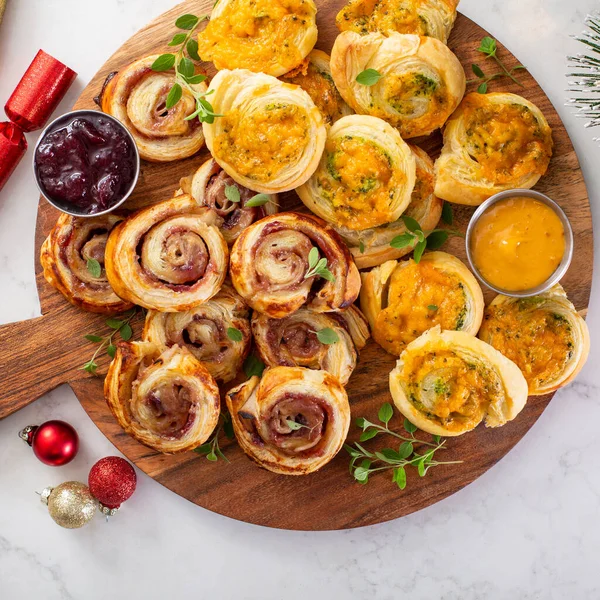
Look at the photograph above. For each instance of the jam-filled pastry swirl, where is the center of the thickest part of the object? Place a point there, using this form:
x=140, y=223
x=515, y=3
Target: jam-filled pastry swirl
x=168, y=257
x=65, y=256
x=270, y=266
x=292, y=421
x=137, y=96
x=206, y=331
x=167, y=401
x=294, y=342
x=209, y=186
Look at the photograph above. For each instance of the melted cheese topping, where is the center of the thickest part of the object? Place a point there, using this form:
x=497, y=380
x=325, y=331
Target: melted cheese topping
x=506, y=140
x=420, y=296
x=260, y=144
x=256, y=35
x=539, y=341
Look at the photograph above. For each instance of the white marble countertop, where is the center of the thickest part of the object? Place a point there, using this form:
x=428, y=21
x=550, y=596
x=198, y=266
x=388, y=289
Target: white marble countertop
x=528, y=529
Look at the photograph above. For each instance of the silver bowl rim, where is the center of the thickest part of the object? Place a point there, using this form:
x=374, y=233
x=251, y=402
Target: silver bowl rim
x=567, y=257
x=70, y=115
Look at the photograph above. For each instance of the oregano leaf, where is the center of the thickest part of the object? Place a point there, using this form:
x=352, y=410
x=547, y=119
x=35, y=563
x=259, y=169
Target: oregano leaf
x=368, y=77
x=93, y=267
x=165, y=62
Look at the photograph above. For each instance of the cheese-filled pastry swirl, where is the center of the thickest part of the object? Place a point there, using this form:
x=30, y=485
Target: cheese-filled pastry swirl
x=217, y=332
x=168, y=257
x=69, y=256
x=271, y=135
x=270, y=266
x=167, y=401
x=420, y=85
x=292, y=421
x=544, y=335
x=294, y=341
x=493, y=142
x=434, y=18
x=366, y=175
x=314, y=77
x=371, y=247
x=137, y=96
x=268, y=36
x=210, y=186
x=404, y=299
x=447, y=382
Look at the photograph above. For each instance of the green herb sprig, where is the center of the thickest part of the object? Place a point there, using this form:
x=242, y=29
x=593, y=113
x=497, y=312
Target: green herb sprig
x=363, y=462
x=232, y=193
x=489, y=47
x=327, y=336
x=368, y=77
x=253, y=366
x=317, y=267
x=211, y=449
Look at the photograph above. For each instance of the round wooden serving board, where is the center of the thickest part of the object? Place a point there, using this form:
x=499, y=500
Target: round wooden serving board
x=38, y=355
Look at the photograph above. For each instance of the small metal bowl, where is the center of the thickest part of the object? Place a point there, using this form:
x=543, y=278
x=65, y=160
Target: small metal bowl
x=69, y=208
x=567, y=257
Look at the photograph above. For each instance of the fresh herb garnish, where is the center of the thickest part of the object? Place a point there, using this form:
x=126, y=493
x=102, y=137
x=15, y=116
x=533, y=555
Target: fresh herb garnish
x=327, y=336
x=211, y=448
x=232, y=193
x=447, y=214
x=433, y=307
x=94, y=268
x=294, y=426
x=368, y=77
x=253, y=366
x=317, y=267
x=361, y=247
x=258, y=200
x=234, y=334
x=489, y=47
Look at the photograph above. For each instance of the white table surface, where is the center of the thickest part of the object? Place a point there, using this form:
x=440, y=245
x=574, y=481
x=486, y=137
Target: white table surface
x=528, y=529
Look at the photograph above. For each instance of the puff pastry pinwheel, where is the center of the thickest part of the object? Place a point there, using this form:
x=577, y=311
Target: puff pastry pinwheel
x=544, y=335
x=447, y=382
x=293, y=421
x=294, y=342
x=493, y=142
x=217, y=332
x=404, y=299
x=365, y=177
x=137, y=96
x=421, y=82
x=168, y=257
x=65, y=256
x=270, y=36
x=371, y=247
x=210, y=186
x=314, y=77
x=271, y=135
x=433, y=18
x=167, y=401
x=270, y=266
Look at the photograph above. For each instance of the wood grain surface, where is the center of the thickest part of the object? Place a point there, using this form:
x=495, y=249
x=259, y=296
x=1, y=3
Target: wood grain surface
x=36, y=356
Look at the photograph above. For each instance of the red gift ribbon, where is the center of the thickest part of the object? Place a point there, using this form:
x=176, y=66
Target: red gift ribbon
x=13, y=146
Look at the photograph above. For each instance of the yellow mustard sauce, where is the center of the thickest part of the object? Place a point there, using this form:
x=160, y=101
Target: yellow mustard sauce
x=518, y=243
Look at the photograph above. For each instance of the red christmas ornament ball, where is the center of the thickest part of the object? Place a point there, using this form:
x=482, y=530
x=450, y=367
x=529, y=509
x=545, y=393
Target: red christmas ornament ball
x=55, y=443
x=112, y=480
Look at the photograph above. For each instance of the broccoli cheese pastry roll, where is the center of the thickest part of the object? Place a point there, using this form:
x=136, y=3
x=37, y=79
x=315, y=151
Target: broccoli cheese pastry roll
x=434, y=18
x=419, y=81
x=492, y=143
x=447, y=382
x=402, y=300
x=293, y=421
x=268, y=36
x=271, y=135
x=366, y=175
x=544, y=335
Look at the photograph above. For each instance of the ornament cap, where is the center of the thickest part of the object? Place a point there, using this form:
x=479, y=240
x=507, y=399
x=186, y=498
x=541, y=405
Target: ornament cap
x=26, y=434
x=45, y=495
x=108, y=510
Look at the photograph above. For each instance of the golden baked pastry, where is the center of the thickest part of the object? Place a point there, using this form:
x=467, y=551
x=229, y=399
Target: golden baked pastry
x=544, y=335
x=270, y=266
x=293, y=421
x=365, y=177
x=421, y=82
x=433, y=18
x=271, y=135
x=293, y=341
x=402, y=300
x=447, y=382
x=136, y=96
x=217, y=332
x=167, y=401
x=169, y=257
x=268, y=36
x=371, y=247
x=493, y=142
x=314, y=77
x=64, y=257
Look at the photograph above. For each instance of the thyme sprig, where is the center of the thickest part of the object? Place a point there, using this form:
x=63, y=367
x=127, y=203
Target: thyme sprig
x=211, y=449
x=489, y=47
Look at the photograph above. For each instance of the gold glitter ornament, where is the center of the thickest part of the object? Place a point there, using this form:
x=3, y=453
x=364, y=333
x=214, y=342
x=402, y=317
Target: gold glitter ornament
x=70, y=504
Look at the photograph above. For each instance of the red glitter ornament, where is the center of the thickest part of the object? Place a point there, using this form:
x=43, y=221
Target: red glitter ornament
x=55, y=443
x=39, y=92
x=13, y=146
x=112, y=480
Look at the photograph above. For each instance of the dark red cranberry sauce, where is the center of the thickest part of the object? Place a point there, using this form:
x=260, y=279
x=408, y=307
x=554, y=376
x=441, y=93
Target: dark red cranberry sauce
x=86, y=164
